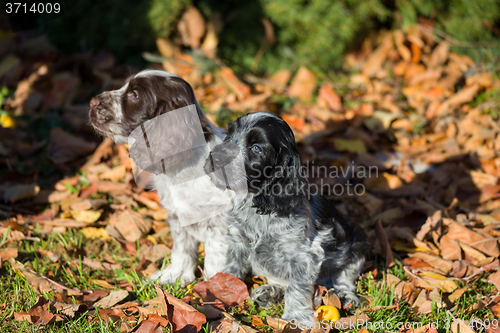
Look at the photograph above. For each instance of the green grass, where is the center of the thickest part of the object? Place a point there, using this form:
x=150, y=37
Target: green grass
x=19, y=296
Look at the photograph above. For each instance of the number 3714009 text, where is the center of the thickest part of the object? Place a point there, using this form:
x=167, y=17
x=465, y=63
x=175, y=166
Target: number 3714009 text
x=39, y=8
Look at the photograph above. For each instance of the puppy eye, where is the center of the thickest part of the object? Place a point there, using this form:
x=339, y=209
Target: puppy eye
x=256, y=149
x=133, y=95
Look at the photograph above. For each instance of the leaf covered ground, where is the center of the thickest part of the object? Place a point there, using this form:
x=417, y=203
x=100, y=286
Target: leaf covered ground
x=404, y=141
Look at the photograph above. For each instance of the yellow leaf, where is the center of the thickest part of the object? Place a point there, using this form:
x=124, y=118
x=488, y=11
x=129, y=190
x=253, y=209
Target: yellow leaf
x=384, y=181
x=104, y=284
x=328, y=312
x=95, y=233
x=7, y=121
x=400, y=246
x=151, y=239
x=432, y=275
x=349, y=145
x=89, y=216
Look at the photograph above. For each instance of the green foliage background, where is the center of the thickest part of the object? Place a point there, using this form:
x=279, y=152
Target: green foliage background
x=315, y=33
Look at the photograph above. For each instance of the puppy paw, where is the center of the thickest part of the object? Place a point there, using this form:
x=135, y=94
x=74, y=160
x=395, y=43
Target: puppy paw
x=347, y=297
x=267, y=295
x=304, y=318
x=170, y=276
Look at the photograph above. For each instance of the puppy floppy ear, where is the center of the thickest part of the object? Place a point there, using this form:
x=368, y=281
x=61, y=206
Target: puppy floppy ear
x=285, y=189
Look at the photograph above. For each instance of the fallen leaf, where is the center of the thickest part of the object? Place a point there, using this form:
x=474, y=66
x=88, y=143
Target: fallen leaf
x=330, y=298
x=88, y=216
x=95, y=233
x=130, y=224
x=116, y=174
x=349, y=145
x=439, y=55
x=113, y=298
x=225, y=287
x=6, y=254
x=457, y=294
x=442, y=265
x=239, y=88
x=40, y=283
x=384, y=181
x=376, y=59
x=182, y=317
x=303, y=84
x=328, y=96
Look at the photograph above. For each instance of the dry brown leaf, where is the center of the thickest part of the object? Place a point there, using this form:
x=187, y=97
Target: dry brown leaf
x=461, y=233
x=95, y=264
x=239, y=88
x=39, y=313
x=281, y=77
x=40, y=283
x=182, y=317
x=224, y=287
x=495, y=277
x=399, y=40
x=130, y=224
x=112, y=299
x=377, y=58
x=303, y=84
x=328, y=97
x=148, y=326
x=457, y=294
x=103, y=149
x=430, y=280
x=194, y=26
x=450, y=250
x=439, y=55
x=6, y=254
x=442, y=265
x=151, y=204
x=465, y=95
x=116, y=174
x=330, y=298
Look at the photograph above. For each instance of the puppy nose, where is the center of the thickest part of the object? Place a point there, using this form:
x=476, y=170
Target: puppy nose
x=94, y=102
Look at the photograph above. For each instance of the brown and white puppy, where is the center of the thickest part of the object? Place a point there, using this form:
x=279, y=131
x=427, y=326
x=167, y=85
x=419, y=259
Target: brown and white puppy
x=196, y=207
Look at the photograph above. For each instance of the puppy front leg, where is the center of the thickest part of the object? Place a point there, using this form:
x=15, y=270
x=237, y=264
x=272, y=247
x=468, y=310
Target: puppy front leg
x=215, y=252
x=183, y=260
x=299, y=302
x=238, y=254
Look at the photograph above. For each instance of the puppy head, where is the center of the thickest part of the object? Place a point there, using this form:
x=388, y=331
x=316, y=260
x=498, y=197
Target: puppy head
x=272, y=162
x=148, y=94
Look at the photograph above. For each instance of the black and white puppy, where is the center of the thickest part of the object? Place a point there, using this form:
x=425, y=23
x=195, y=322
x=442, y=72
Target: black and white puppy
x=195, y=206
x=281, y=231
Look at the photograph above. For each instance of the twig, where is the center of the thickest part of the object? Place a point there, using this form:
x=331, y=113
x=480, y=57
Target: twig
x=380, y=307
x=203, y=273
x=479, y=271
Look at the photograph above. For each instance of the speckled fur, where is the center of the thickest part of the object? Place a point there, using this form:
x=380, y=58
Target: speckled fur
x=295, y=246
x=196, y=207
